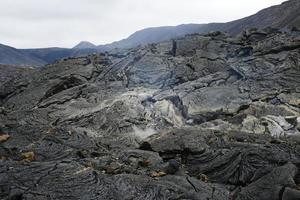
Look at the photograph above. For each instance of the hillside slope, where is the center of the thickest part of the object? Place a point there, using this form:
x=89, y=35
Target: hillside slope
x=12, y=56
x=283, y=16
x=50, y=55
x=154, y=35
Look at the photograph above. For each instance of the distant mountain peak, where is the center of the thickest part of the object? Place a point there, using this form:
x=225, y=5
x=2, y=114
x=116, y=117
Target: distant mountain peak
x=85, y=45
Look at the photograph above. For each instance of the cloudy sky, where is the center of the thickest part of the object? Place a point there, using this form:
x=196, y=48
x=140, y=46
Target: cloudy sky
x=64, y=23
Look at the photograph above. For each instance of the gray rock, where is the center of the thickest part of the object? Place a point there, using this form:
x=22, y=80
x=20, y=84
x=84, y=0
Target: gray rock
x=217, y=118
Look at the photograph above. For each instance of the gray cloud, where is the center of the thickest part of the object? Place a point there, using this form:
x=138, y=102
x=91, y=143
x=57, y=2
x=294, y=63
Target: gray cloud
x=64, y=23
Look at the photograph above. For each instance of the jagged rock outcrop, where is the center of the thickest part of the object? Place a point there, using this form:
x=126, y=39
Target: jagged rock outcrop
x=216, y=117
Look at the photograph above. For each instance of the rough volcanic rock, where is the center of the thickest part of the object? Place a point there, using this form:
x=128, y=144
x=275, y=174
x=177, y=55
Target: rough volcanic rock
x=199, y=117
x=8, y=72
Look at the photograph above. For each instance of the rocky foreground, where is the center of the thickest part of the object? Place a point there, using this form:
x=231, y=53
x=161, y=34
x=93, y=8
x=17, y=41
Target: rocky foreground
x=200, y=117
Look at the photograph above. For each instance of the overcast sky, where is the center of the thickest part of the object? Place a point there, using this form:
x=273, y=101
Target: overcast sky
x=64, y=23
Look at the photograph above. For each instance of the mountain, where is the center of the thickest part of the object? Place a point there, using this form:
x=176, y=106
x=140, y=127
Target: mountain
x=199, y=117
x=42, y=56
x=284, y=16
x=12, y=56
x=85, y=45
x=50, y=55
x=154, y=35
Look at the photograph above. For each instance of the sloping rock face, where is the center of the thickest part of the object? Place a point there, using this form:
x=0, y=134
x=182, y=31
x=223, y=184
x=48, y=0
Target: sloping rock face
x=200, y=117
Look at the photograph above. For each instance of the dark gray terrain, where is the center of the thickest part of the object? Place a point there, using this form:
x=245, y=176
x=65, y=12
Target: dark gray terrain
x=7, y=72
x=200, y=117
